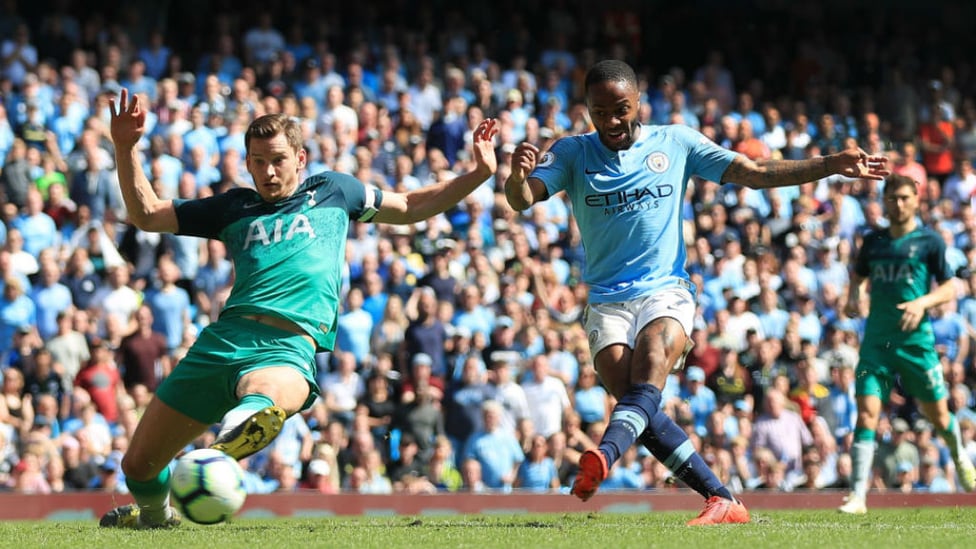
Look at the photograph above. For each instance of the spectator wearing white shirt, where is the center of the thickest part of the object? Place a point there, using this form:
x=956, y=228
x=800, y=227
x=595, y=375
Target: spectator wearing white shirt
x=547, y=396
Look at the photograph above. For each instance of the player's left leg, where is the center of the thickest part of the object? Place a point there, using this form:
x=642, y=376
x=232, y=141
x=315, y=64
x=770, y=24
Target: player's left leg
x=921, y=373
x=274, y=378
x=948, y=428
x=670, y=445
x=268, y=396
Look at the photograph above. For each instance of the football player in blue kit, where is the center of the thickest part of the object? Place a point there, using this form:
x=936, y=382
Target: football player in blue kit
x=626, y=182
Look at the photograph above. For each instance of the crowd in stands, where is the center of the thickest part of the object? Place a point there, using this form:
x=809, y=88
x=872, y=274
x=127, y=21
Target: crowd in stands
x=460, y=361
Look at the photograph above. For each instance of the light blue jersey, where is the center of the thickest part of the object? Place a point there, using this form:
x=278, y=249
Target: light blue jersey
x=628, y=205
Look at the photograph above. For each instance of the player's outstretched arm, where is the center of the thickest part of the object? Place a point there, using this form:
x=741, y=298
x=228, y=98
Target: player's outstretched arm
x=146, y=210
x=854, y=163
x=401, y=208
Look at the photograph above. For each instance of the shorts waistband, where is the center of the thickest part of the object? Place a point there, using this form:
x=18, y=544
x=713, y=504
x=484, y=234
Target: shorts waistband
x=276, y=322
x=281, y=324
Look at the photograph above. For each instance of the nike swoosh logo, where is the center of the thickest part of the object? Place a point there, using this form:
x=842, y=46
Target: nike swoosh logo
x=252, y=205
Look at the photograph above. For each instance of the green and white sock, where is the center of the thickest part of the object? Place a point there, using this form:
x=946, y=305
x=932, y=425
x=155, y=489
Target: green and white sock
x=862, y=459
x=953, y=439
x=152, y=496
x=248, y=406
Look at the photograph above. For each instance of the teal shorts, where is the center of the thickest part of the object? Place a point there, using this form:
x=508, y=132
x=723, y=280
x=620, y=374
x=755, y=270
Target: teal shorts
x=204, y=384
x=917, y=366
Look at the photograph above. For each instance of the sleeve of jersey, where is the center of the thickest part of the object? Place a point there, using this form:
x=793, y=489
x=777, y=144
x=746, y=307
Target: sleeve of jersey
x=706, y=158
x=203, y=217
x=363, y=201
x=555, y=165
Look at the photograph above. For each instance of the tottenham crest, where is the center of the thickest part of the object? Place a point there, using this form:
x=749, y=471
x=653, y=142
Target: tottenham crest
x=547, y=159
x=658, y=162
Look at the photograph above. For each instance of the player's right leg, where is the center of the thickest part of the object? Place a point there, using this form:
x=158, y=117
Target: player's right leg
x=611, y=329
x=873, y=382
x=161, y=434
x=862, y=454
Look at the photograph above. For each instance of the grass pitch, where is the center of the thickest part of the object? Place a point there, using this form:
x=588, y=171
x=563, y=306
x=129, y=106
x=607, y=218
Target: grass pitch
x=942, y=528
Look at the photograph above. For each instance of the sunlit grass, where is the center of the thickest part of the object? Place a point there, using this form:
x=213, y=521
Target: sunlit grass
x=942, y=527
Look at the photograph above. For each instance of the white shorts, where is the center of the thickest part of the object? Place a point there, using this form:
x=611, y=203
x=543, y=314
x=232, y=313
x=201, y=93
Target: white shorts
x=610, y=323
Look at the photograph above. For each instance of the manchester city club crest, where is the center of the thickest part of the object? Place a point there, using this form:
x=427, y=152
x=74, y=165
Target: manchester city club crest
x=547, y=159
x=658, y=162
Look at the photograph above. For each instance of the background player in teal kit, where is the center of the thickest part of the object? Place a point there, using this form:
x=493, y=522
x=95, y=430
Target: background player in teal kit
x=626, y=182
x=255, y=365
x=900, y=263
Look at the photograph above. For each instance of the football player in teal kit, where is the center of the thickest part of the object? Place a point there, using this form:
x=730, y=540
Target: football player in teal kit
x=626, y=182
x=900, y=263
x=255, y=365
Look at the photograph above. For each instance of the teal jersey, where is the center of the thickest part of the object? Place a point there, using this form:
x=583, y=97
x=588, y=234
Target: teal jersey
x=288, y=255
x=628, y=205
x=900, y=270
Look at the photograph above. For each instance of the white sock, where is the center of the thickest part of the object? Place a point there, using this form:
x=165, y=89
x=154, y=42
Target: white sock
x=862, y=456
x=232, y=419
x=156, y=512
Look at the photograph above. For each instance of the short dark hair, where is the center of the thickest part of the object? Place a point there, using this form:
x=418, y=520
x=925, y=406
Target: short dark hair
x=896, y=181
x=270, y=125
x=610, y=70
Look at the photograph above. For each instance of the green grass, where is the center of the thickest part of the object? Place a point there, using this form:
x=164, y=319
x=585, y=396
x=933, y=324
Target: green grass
x=927, y=528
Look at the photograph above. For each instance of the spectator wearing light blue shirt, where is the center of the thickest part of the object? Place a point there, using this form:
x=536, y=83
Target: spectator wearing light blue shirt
x=37, y=228
x=772, y=317
x=50, y=297
x=355, y=326
x=16, y=311
x=497, y=450
x=472, y=314
x=538, y=472
x=701, y=400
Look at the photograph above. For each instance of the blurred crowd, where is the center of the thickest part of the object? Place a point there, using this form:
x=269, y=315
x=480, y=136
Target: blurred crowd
x=460, y=361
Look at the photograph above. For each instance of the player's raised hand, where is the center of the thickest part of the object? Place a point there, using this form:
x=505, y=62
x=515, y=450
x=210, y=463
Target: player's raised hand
x=128, y=120
x=524, y=159
x=856, y=163
x=484, y=144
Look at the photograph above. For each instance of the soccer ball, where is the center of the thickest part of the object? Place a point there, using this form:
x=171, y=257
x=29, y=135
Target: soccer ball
x=207, y=486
